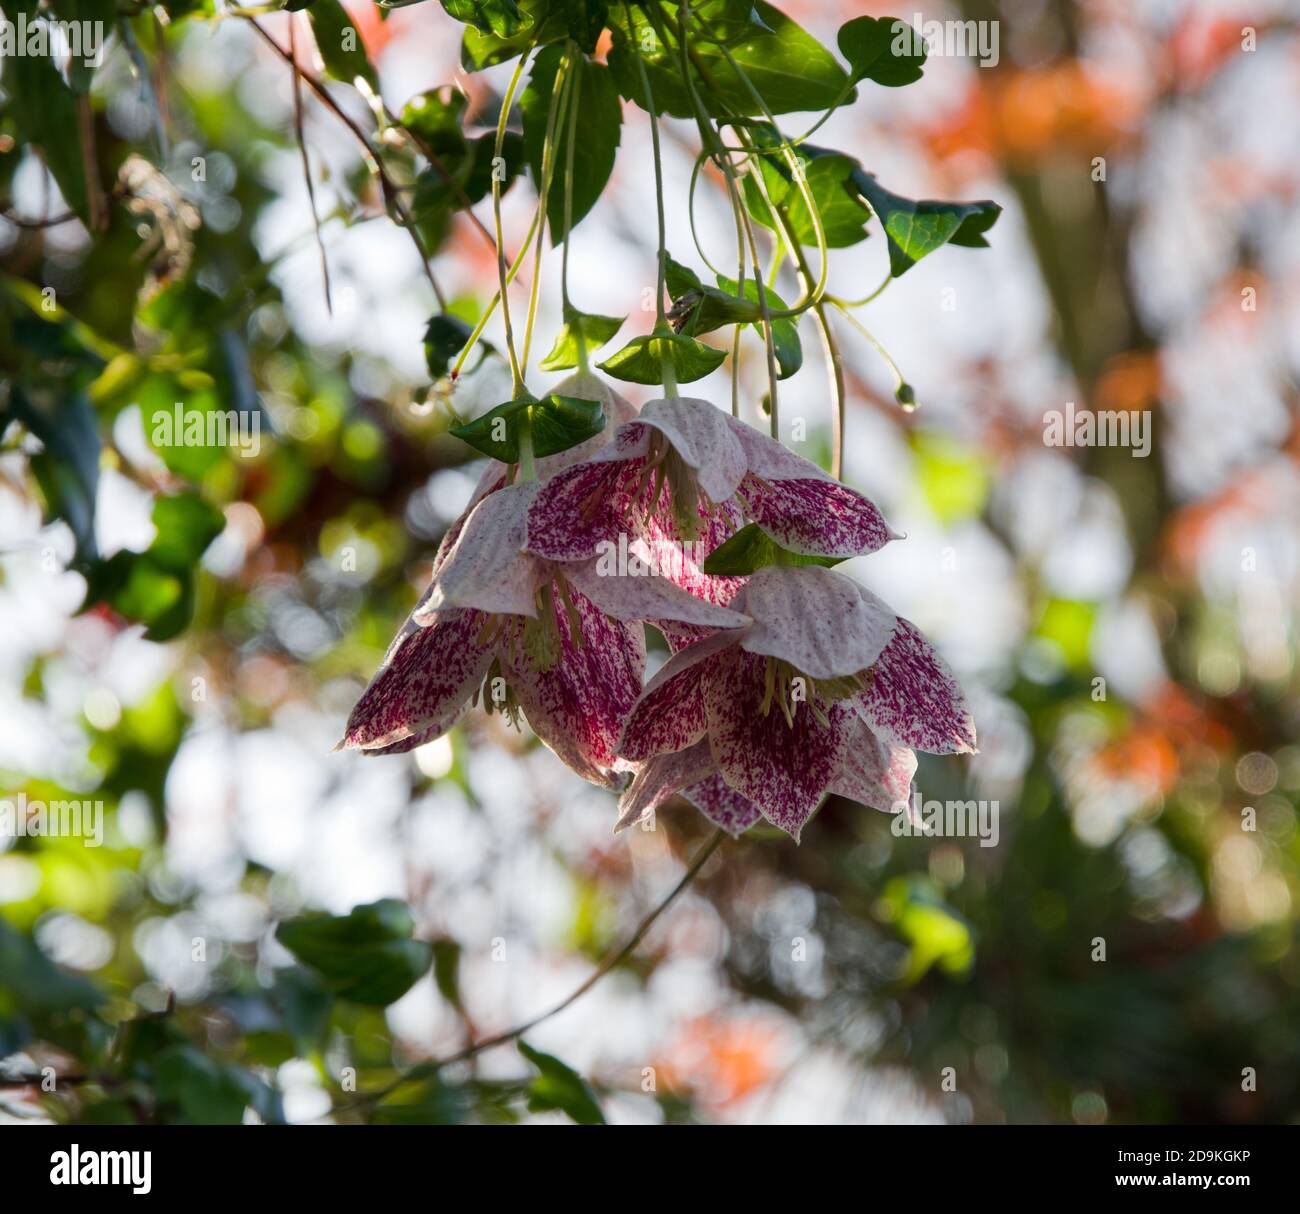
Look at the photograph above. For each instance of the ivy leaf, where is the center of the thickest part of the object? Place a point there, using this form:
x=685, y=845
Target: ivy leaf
x=156, y=587
x=340, y=44
x=827, y=174
x=80, y=73
x=500, y=17
x=205, y=1091
x=67, y=470
x=436, y=116
x=45, y=114
x=186, y=526
x=884, y=49
x=702, y=309
x=366, y=956
x=915, y=229
x=444, y=339
x=556, y=423
x=543, y=23
x=641, y=360
x=560, y=1087
x=582, y=330
x=785, y=330
x=679, y=279
x=585, y=19
x=600, y=121
x=791, y=70
x=751, y=549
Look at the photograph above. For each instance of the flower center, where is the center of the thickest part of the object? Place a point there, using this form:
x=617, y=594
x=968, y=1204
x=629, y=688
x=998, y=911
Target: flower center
x=786, y=687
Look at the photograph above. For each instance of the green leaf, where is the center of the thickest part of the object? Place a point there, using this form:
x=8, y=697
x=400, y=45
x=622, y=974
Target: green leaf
x=67, y=470
x=827, y=174
x=791, y=70
x=186, y=526
x=585, y=20
x=600, y=118
x=679, y=278
x=80, y=72
x=915, y=229
x=884, y=49
x=583, y=331
x=698, y=308
x=543, y=23
x=444, y=339
x=366, y=956
x=446, y=969
x=560, y=1087
x=206, y=1092
x=785, y=330
x=340, y=44
x=45, y=114
x=751, y=548
x=556, y=423
x=641, y=360
x=437, y=117
x=500, y=17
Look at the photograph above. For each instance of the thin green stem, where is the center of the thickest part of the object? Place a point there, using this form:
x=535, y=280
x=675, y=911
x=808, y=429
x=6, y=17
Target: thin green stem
x=866, y=299
x=561, y=95
x=661, y=316
x=507, y=103
x=884, y=354
x=488, y=312
x=426, y=1070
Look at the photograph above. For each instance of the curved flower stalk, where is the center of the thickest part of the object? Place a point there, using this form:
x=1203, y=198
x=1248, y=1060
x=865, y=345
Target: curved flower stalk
x=823, y=690
x=686, y=470
x=561, y=644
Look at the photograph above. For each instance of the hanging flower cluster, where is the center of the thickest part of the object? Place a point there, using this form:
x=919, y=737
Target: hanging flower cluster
x=787, y=681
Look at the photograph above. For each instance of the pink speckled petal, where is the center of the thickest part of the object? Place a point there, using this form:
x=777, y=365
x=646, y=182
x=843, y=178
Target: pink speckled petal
x=819, y=621
x=585, y=507
x=723, y=805
x=770, y=460
x=701, y=434
x=816, y=517
x=658, y=778
x=784, y=769
x=646, y=597
x=423, y=686
x=578, y=707
x=488, y=568
x=913, y=700
x=670, y=712
x=872, y=772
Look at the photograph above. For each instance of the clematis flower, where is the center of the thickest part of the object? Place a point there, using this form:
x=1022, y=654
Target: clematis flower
x=683, y=467
x=823, y=690
x=561, y=644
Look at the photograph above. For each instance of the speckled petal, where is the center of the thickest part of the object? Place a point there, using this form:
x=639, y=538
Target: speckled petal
x=578, y=706
x=819, y=621
x=423, y=686
x=816, y=517
x=784, y=769
x=702, y=435
x=770, y=460
x=723, y=805
x=647, y=597
x=658, y=778
x=872, y=772
x=488, y=568
x=913, y=700
x=670, y=712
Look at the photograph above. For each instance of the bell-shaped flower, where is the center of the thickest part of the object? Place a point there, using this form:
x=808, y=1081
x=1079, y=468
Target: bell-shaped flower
x=823, y=690
x=683, y=464
x=563, y=644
